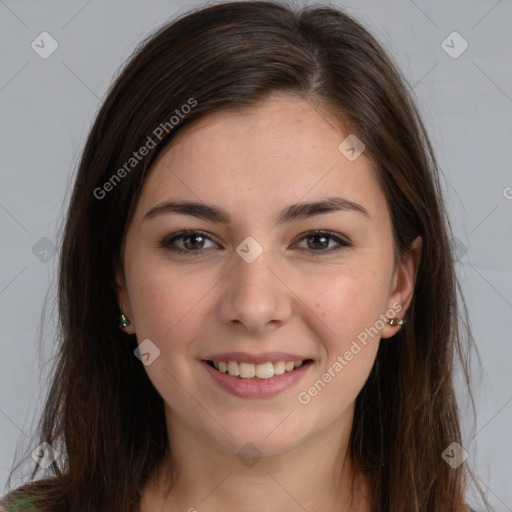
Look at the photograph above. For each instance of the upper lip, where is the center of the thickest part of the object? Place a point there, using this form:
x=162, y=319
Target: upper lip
x=264, y=357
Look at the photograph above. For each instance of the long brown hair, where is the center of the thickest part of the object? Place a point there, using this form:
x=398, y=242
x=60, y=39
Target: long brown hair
x=102, y=412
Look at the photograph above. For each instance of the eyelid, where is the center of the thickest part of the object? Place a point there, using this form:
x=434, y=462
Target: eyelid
x=166, y=241
x=338, y=238
x=342, y=241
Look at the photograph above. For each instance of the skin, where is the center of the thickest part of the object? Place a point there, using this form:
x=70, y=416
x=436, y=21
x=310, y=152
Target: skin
x=290, y=299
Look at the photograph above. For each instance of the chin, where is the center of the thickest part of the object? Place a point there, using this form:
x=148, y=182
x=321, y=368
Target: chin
x=263, y=437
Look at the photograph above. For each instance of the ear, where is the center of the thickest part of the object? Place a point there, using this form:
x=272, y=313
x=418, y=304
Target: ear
x=402, y=285
x=123, y=300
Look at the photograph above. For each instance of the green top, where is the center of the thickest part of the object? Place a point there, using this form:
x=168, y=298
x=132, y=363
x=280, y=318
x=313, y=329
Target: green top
x=20, y=505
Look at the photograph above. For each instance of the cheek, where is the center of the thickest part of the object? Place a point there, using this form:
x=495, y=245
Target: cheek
x=347, y=318
x=347, y=301
x=168, y=306
x=167, y=301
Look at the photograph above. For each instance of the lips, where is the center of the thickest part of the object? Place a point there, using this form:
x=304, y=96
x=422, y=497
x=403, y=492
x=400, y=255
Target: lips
x=256, y=375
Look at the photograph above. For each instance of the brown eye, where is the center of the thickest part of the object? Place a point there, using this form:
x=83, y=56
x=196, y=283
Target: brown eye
x=186, y=242
x=193, y=242
x=319, y=242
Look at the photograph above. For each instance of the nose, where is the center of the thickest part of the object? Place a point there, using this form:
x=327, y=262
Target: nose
x=255, y=295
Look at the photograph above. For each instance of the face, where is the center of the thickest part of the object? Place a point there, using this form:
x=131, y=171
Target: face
x=256, y=287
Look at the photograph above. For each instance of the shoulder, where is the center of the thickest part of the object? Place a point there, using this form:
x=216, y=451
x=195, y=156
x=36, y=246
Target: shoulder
x=3, y=504
x=32, y=496
x=16, y=504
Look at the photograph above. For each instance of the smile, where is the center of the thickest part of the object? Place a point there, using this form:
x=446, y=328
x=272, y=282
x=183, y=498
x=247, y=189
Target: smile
x=265, y=370
x=256, y=380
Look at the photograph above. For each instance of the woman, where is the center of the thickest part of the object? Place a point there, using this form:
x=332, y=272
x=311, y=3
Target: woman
x=257, y=296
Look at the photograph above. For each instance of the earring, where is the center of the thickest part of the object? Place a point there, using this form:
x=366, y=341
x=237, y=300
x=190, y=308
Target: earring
x=397, y=321
x=124, y=321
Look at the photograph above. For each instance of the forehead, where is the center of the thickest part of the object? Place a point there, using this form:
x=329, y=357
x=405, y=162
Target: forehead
x=282, y=150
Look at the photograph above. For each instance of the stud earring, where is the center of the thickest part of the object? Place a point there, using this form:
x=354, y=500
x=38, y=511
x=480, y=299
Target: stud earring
x=124, y=321
x=396, y=321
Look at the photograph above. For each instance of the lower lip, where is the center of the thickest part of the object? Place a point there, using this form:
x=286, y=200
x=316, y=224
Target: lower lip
x=257, y=388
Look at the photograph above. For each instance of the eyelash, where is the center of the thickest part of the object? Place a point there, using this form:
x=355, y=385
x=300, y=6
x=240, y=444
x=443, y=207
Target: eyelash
x=168, y=240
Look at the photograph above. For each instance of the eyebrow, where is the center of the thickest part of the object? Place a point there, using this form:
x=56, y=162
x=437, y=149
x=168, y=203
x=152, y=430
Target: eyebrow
x=291, y=213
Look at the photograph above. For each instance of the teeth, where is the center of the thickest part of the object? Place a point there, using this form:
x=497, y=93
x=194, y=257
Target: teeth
x=233, y=368
x=250, y=370
x=279, y=367
x=265, y=370
x=247, y=370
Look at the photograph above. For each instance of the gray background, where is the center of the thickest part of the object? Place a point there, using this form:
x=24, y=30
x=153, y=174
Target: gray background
x=47, y=106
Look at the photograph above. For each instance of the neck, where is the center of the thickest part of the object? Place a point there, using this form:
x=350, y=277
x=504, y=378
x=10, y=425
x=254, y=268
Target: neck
x=201, y=476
